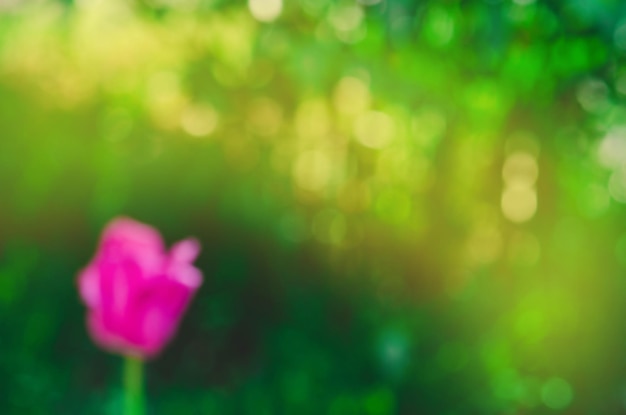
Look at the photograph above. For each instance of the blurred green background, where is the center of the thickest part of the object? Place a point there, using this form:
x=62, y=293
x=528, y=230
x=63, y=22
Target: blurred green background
x=406, y=207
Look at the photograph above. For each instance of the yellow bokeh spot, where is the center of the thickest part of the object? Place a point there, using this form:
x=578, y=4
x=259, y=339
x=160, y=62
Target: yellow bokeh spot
x=374, y=129
x=519, y=204
x=351, y=96
x=312, y=170
x=199, y=120
x=346, y=17
x=347, y=22
x=265, y=10
x=165, y=99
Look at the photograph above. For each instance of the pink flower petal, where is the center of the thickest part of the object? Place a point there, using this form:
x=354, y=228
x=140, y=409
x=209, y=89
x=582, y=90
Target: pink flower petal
x=88, y=286
x=185, y=251
x=127, y=238
x=187, y=275
x=137, y=292
x=156, y=312
x=101, y=335
x=133, y=233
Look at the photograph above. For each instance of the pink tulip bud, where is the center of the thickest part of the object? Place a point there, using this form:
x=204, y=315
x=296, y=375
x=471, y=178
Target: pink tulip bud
x=136, y=291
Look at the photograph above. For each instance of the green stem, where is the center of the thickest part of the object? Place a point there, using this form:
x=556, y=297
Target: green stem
x=133, y=385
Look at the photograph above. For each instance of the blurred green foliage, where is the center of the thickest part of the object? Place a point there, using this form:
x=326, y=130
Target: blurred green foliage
x=406, y=207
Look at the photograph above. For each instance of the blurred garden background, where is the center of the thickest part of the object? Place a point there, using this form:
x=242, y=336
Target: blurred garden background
x=406, y=207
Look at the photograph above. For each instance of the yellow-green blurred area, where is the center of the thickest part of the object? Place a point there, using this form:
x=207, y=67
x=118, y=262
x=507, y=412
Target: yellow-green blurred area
x=406, y=207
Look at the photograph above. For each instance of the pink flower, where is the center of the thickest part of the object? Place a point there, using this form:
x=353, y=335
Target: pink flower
x=135, y=290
